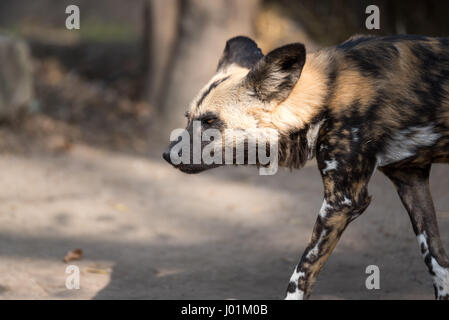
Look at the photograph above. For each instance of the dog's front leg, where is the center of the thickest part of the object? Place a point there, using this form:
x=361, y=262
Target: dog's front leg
x=329, y=226
x=346, y=197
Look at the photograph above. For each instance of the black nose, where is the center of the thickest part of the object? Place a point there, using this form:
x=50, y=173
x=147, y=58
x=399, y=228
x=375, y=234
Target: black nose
x=166, y=156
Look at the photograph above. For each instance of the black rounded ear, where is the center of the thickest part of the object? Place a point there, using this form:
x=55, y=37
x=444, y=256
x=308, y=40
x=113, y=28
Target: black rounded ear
x=274, y=76
x=241, y=51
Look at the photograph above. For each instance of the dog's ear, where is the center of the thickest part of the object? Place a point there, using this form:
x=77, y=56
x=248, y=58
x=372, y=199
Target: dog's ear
x=241, y=51
x=273, y=77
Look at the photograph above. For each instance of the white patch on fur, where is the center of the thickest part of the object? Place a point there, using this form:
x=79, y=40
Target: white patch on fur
x=405, y=143
x=314, y=251
x=296, y=276
x=324, y=207
x=355, y=134
x=441, y=277
x=312, y=137
x=422, y=240
x=330, y=165
x=297, y=295
x=347, y=202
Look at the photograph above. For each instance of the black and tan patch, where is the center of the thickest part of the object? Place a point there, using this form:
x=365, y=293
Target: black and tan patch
x=380, y=102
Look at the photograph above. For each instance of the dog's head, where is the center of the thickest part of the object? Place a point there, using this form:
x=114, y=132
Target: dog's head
x=246, y=87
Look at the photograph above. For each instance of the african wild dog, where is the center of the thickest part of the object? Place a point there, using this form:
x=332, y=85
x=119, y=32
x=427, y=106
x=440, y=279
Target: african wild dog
x=370, y=102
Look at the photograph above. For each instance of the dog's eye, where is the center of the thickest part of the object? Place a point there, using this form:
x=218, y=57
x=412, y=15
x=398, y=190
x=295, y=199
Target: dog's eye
x=209, y=121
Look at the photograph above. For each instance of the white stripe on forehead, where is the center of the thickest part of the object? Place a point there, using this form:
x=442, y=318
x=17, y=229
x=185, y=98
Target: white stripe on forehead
x=233, y=72
x=209, y=89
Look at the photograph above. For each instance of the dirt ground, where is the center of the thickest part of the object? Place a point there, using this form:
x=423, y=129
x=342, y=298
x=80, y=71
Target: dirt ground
x=80, y=171
x=150, y=232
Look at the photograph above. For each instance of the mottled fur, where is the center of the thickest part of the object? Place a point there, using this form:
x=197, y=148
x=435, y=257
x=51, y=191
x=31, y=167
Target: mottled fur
x=370, y=102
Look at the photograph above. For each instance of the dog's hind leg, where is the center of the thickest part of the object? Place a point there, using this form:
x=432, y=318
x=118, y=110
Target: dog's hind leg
x=412, y=185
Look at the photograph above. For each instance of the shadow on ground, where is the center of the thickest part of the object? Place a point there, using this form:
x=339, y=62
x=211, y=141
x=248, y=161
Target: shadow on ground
x=150, y=232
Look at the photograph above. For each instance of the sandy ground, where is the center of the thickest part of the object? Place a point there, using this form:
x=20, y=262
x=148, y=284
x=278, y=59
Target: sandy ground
x=150, y=232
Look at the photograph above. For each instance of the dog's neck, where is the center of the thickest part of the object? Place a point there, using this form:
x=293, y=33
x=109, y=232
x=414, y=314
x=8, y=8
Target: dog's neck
x=300, y=117
x=308, y=98
x=298, y=147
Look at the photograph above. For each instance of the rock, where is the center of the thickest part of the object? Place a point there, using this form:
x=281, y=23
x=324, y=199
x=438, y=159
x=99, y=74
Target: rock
x=16, y=78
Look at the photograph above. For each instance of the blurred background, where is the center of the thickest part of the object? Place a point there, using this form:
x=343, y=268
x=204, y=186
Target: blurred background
x=85, y=115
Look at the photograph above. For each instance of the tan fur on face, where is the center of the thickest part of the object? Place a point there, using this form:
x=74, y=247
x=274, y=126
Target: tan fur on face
x=229, y=100
x=233, y=102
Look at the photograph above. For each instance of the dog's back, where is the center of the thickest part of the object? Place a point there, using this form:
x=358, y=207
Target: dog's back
x=397, y=87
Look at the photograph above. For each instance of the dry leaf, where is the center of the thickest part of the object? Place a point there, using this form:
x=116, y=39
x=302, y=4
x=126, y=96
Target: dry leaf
x=167, y=272
x=98, y=270
x=120, y=207
x=73, y=255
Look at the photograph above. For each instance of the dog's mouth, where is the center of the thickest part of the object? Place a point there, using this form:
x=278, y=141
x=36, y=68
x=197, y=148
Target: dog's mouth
x=195, y=168
x=189, y=167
